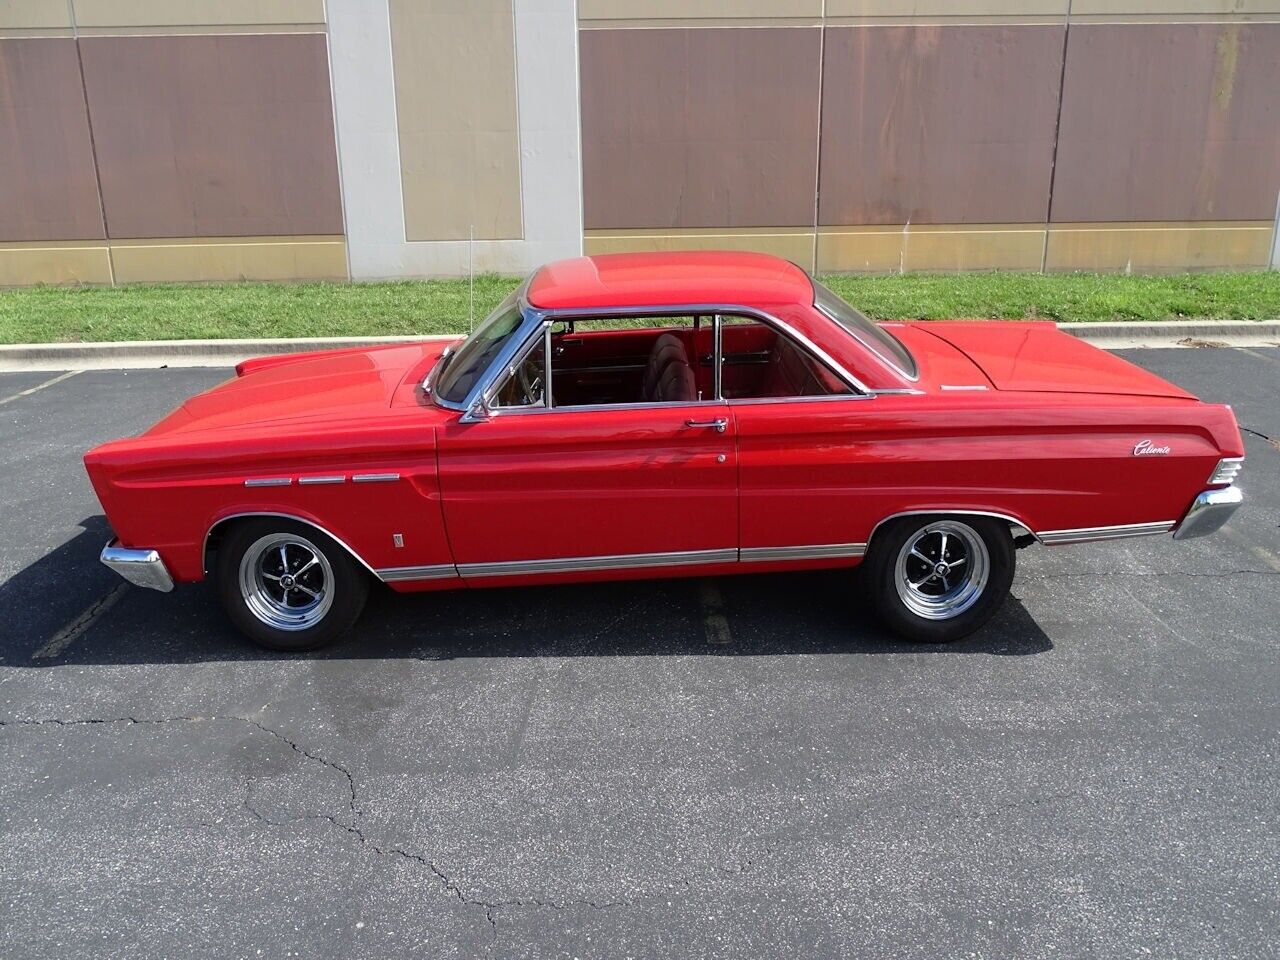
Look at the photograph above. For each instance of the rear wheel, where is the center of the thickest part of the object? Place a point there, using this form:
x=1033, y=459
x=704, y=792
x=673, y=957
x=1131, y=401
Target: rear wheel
x=935, y=579
x=288, y=586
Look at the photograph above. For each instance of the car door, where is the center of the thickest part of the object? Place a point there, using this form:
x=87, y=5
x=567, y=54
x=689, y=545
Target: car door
x=575, y=489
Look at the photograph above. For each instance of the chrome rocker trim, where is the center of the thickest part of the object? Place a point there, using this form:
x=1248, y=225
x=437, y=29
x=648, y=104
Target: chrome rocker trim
x=1091, y=534
x=516, y=568
x=439, y=571
x=1209, y=511
x=142, y=568
x=826, y=551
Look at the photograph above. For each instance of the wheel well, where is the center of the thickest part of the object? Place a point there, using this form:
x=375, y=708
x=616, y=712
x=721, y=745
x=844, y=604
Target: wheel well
x=1023, y=535
x=218, y=533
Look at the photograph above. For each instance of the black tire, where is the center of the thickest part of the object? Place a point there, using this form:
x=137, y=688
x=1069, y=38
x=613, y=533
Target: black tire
x=962, y=606
x=329, y=591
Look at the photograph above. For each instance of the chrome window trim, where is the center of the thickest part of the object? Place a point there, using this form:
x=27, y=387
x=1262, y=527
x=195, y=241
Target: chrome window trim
x=599, y=407
x=888, y=365
x=826, y=551
x=1119, y=532
x=628, y=561
x=531, y=319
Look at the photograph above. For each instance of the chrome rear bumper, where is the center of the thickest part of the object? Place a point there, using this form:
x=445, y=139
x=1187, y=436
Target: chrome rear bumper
x=1208, y=512
x=141, y=567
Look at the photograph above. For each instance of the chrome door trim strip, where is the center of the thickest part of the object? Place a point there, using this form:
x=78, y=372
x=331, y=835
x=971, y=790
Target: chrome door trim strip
x=825, y=551
x=374, y=477
x=438, y=571
x=1120, y=532
x=268, y=482
x=316, y=481
x=516, y=568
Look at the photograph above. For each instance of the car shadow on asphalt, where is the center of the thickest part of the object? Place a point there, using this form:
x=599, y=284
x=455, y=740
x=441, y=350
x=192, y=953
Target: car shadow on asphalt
x=817, y=612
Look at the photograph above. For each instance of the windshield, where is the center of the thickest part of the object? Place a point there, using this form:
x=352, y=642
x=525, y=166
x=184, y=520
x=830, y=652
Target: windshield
x=466, y=365
x=875, y=338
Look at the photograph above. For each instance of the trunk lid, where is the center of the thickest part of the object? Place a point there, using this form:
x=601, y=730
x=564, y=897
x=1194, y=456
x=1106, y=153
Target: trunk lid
x=1037, y=357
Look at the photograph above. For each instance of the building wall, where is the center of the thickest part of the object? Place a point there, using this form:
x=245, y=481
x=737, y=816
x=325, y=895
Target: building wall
x=156, y=140
x=884, y=135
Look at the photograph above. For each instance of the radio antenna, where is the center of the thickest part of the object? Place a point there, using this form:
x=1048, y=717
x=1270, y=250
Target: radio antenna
x=471, y=279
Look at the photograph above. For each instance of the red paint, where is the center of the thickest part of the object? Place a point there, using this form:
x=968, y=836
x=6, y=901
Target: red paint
x=1049, y=444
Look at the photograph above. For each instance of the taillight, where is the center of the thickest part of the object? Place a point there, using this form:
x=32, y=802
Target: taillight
x=1227, y=470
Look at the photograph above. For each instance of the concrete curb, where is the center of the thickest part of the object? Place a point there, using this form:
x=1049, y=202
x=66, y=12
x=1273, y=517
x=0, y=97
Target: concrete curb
x=136, y=354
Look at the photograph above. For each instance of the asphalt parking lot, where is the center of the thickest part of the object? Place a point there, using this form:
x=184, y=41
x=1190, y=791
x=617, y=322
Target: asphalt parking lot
x=581, y=772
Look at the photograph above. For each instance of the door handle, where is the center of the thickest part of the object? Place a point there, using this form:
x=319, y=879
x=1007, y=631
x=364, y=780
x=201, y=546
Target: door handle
x=719, y=425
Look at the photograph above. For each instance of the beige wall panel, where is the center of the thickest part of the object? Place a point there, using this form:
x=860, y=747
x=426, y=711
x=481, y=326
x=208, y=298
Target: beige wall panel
x=946, y=8
x=952, y=250
x=34, y=14
x=257, y=258
x=1158, y=246
x=154, y=13
x=860, y=250
x=696, y=9
x=793, y=245
x=455, y=78
x=935, y=248
x=24, y=264
x=1085, y=8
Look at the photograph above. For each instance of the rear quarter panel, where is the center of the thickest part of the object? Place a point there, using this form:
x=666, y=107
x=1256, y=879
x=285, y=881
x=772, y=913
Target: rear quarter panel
x=830, y=471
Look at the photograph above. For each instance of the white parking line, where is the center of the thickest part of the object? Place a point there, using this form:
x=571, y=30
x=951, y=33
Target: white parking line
x=74, y=630
x=1255, y=353
x=1262, y=553
x=39, y=386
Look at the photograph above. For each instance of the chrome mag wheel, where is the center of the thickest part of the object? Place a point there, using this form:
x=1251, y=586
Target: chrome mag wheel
x=286, y=581
x=942, y=570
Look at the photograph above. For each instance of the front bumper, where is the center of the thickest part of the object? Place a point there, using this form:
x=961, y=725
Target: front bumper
x=1208, y=512
x=141, y=567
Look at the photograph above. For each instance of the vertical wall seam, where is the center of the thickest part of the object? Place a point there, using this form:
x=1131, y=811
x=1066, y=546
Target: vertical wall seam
x=93, y=144
x=817, y=159
x=337, y=142
x=1057, y=137
x=577, y=93
x=515, y=92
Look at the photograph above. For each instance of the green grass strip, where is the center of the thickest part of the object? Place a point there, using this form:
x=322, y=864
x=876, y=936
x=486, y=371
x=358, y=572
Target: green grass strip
x=201, y=311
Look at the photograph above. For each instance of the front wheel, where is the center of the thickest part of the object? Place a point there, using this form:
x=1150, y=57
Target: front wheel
x=288, y=586
x=935, y=579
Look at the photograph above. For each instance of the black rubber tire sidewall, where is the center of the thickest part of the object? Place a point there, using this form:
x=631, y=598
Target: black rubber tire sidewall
x=350, y=585
x=883, y=594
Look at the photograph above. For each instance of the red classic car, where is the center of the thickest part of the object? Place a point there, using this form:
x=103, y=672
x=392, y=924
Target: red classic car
x=659, y=415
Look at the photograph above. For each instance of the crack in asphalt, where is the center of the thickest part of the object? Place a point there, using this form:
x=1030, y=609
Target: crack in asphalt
x=1258, y=433
x=351, y=829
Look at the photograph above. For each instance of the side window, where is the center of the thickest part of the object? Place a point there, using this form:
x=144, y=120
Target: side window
x=632, y=360
x=757, y=361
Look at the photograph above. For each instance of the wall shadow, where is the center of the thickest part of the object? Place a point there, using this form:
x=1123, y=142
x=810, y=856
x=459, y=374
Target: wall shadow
x=767, y=615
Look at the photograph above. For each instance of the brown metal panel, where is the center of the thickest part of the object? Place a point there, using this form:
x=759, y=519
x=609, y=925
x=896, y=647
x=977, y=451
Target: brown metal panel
x=1170, y=122
x=699, y=128
x=214, y=136
x=934, y=124
x=47, y=185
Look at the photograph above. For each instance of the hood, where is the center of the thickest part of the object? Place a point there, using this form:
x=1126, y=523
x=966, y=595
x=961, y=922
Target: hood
x=299, y=389
x=1037, y=357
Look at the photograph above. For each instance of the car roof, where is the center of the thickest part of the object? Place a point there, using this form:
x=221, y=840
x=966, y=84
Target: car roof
x=628, y=280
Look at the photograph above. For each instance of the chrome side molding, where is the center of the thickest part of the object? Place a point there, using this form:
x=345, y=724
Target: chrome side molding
x=142, y=568
x=516, y=568
x=826, y=551
x=1091, y=534
x=439, y=571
